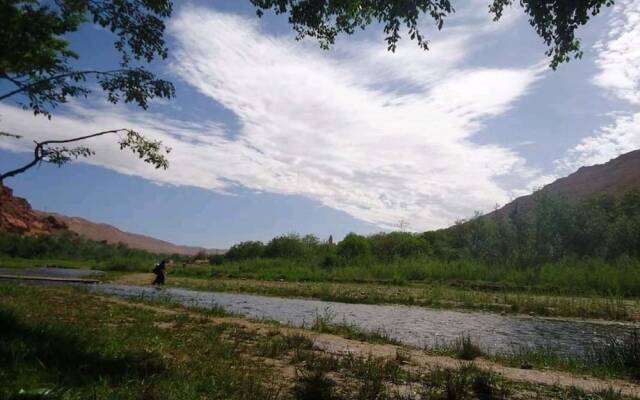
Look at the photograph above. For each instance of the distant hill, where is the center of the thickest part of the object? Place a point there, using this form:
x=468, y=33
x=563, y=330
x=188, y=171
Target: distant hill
x=612, y=177
x=104, y=232
x=17, y=216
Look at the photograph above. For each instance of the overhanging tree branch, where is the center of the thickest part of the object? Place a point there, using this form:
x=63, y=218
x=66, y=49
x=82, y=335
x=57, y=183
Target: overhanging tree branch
x=151, y=151
x=24, y=88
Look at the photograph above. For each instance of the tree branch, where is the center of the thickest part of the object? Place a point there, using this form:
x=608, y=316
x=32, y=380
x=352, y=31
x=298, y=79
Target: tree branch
x=39, y=154
x=24, y=88
x=46, y=142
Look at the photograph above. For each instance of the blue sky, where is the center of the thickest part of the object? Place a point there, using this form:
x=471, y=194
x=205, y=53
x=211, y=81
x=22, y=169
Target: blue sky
x=271, y=135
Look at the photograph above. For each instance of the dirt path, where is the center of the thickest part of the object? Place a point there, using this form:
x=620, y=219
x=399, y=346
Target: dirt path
x=340, y=346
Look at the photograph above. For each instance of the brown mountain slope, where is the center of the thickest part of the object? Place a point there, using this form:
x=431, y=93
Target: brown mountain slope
x=16, y=216
x=110, y=234
x=612, y=177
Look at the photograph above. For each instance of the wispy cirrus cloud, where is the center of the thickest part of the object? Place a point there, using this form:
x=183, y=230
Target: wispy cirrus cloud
x=618, y=57
x=383, y=137
x=618, y=63
x=336, y=133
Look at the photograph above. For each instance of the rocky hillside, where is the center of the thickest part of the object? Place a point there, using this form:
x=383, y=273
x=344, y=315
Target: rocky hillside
x=111, y=234
x=17, y=216
x=612, y=177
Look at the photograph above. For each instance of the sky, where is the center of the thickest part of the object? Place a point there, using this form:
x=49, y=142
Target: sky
x=270, y=135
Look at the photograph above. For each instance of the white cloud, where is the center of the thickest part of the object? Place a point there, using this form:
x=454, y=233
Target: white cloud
x=618, y=57
x=383, y=137
x=618, y=63
x=622, y=136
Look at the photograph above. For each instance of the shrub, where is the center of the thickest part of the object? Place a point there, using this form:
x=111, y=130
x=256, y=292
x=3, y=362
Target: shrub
x=127, y=264
x=216, y=259
x=245, y=250
x=354, y=247
x=330, y=261
x=287, y=246
x=386, y=246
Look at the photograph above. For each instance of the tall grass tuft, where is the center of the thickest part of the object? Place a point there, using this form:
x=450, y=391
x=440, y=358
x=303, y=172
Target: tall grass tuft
x=618, y=354
x=466, y=348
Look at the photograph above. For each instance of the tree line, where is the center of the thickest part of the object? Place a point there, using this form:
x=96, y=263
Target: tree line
x=69, y=246
x=605, y=227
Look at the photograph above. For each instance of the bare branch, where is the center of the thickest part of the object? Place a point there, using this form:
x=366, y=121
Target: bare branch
x=150, y=151
x=11, y=135
x=23, y=88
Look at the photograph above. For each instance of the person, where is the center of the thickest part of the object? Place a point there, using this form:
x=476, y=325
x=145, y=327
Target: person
x=159, y=271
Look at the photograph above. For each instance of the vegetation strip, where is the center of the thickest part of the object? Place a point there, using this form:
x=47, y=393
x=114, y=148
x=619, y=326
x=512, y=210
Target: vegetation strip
x=341, y=346
x=47, y=279
x=434, y=296
x=63, y=343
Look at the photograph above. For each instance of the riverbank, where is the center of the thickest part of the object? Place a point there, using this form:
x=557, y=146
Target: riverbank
x=80, y=345
x=420, y=294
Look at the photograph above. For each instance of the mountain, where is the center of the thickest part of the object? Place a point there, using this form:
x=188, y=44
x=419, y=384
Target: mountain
x=612, y=178
x=104, y=232
x=17, y=216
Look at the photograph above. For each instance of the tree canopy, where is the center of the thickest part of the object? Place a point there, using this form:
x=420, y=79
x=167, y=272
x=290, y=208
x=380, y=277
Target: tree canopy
x=36, y=57
x=555, y=21
x=36, y=60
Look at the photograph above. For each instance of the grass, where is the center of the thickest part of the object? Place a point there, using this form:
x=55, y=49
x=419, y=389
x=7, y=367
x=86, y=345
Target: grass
x=115, y=264
x=572, y=276
x=383, y=379
x=618, y=354
x=325, y=323
x=11, y=262
x=70, y=343
x=64, y=343
x=615, y=358
x=462, y=348
x=427, y=294
x=595, y=289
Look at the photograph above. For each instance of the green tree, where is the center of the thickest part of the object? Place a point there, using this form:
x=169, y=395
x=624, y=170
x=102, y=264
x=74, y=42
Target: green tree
x=353, y=247
x=36, y=62
x=554, y=226
x=386, y=246
x=287, y=246
x=245, y=250
x=555, y=21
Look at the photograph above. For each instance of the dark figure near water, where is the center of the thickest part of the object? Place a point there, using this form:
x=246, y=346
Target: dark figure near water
x=159, y=271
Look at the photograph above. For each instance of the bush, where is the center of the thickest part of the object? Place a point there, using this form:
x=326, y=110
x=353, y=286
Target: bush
x=127, y=264
x=330, y=261
x=386, y=246
x=216, y=259
x=354, y=247
x=245, y=250
x=287, y=246
x=68, y=246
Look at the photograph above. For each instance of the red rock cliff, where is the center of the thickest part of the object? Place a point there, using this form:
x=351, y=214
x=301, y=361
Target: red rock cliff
x=17, y=216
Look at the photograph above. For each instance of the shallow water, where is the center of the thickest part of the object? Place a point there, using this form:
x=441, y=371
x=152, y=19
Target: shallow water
x=417, y=326
x=411, y=325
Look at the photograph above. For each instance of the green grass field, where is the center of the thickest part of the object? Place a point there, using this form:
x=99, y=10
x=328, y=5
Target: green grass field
x=571, y=276
x=64, y=343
